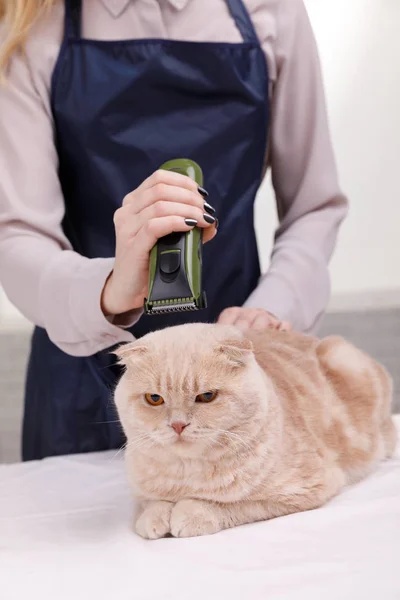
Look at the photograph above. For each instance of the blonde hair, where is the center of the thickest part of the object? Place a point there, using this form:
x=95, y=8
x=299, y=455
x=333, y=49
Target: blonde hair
x=18, y=17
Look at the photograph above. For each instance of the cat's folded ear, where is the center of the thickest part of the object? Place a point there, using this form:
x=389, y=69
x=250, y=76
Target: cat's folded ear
x=236, y=351
x=128, y=353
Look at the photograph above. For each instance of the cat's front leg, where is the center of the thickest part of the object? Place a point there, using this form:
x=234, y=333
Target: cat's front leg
x=154, y=520
x=190, y=518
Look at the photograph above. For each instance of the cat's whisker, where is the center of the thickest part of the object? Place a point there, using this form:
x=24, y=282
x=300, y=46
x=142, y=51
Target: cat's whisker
x=118, y=452
x=142, y=441
x=139, y=441
x=135, y=444
x=233, y=437
x=236, y=438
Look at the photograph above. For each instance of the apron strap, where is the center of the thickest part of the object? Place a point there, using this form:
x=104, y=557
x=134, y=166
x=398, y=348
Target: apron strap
x=73, y=18
x=243, y=20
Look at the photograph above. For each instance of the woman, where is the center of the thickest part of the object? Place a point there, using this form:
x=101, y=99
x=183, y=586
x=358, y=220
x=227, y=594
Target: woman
x=103, y=93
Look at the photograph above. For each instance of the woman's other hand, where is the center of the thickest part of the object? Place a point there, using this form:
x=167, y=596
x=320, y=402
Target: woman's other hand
x=164, y=203
x=252, y=318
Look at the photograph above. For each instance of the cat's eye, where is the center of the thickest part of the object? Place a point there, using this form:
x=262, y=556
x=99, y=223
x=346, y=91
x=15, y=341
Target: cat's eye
x=206, y=397
x=154, y=399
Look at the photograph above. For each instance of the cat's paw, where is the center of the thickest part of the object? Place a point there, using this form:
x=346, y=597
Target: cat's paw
x=191, y=518
x=154, y=521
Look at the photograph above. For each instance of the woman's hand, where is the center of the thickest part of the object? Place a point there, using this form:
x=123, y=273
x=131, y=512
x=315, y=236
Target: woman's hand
x=164, y=203
x=252, y=318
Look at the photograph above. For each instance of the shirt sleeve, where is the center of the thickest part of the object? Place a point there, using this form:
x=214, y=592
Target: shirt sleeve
x=310, y=204
x=53, y=286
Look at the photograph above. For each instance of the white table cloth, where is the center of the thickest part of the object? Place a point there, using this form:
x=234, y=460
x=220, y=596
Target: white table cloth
x=66, y=533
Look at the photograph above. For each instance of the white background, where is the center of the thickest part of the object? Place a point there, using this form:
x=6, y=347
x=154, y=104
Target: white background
x=359, y=43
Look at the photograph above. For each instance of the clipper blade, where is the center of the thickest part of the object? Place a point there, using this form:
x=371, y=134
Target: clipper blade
x=171, y=306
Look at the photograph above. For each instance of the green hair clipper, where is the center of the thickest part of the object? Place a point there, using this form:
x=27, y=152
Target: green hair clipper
x=175, y=271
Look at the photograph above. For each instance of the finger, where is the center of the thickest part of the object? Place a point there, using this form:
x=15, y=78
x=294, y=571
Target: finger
x=285, y=326
x=133, y=223
x=209, y=233
x=253, y=314
x=162, y=177
x=262, y=321
x=164, y=208
x=154, y=229
x=243, y=324
x=166, y=193
x=246, y=318
x=229, y=315
x=171, y=178
x=127, y=225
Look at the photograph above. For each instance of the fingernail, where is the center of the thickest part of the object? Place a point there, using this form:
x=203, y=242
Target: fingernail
x=191, y=222
x=203, y=192
x=210, y=209
x=216, y=223
x=209, y=219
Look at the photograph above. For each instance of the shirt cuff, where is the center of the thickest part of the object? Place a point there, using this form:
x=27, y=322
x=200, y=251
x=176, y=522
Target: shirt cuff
x=70, y=291
x=275, y=295
x=126, y=320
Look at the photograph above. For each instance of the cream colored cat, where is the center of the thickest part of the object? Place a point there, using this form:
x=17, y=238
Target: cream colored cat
x=224, y=429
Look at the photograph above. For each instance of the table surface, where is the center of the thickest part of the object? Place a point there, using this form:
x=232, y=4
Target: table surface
x=66, y=533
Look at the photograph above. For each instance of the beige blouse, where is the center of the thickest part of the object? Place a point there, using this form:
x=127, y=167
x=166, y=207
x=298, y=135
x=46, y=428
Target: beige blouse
x=60, y=290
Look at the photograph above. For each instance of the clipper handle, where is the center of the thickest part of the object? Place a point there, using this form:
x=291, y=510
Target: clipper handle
x=175, y=273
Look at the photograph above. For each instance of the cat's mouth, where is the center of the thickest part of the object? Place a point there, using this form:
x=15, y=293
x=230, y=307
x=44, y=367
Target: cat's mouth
x=184, y=438
x=180, y=440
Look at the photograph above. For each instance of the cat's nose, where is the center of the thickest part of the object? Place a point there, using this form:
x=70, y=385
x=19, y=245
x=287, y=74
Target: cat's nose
x=179, y=426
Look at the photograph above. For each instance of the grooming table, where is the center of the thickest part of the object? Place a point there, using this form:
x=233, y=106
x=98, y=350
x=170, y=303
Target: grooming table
x=66, y=534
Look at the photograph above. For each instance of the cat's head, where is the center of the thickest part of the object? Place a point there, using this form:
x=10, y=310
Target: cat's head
x=190, y=388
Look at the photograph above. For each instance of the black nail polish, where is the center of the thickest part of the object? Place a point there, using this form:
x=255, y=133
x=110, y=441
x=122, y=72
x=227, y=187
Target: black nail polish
x=209, y=219
x=216, y=223
x=191, y=222
x=203, y=192
x=210, y=209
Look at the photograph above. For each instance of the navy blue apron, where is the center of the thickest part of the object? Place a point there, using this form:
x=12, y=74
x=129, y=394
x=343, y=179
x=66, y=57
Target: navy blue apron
x=121, y=109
